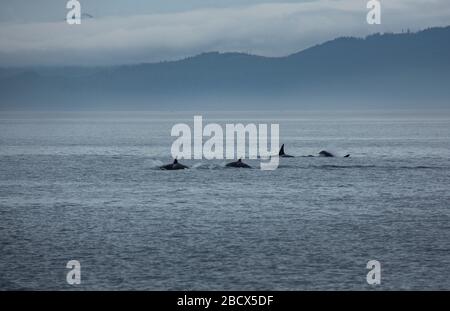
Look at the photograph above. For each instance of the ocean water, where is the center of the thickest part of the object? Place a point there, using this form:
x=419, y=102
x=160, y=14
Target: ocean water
x=87, y=187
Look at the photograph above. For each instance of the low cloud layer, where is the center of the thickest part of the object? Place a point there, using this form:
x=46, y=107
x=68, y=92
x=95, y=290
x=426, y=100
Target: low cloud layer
x=267, y=29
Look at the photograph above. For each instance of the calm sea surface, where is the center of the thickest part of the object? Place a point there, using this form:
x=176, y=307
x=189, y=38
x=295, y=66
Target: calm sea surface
x=89, y=188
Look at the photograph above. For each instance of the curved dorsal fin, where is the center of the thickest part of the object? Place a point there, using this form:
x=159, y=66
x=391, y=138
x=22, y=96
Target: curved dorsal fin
x=281, y=150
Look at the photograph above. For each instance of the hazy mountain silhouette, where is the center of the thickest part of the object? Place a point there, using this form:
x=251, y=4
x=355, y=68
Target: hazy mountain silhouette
x=382, y=70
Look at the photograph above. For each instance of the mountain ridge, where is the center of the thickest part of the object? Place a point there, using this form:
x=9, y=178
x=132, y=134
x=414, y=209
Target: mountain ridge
x=404, y=67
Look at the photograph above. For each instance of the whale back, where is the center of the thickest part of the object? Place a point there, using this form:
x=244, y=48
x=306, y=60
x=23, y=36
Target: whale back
x=238, y=163
x=325, y=153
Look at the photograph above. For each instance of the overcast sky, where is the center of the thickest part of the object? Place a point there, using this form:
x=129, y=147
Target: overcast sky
x=133, y=31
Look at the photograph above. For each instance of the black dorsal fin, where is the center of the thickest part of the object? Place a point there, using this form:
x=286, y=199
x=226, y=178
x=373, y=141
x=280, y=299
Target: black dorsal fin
x=281, y=150
x=240, y=160
x=175, y=161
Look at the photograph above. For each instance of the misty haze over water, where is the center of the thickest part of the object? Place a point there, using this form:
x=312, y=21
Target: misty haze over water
x=395, y=71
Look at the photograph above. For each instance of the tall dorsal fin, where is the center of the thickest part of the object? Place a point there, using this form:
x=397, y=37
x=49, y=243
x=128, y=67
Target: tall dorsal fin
x=281, y=150
x=175, y=161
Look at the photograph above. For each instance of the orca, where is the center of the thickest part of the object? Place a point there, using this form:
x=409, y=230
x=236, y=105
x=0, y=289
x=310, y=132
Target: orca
x=174, y=166
x=326, y=154
x=238, y=164
x=281, y=154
